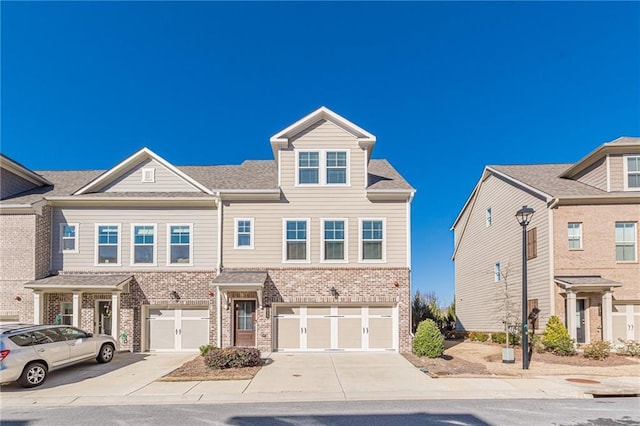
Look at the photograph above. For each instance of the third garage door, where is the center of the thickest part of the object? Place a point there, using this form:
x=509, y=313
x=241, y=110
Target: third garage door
x=325, y=327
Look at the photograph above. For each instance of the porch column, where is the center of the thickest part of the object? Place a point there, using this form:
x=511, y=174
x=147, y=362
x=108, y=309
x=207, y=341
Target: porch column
x=607, y=320
x=571, y=314
x=37, y=307
x=77, y=308
x=115, y=315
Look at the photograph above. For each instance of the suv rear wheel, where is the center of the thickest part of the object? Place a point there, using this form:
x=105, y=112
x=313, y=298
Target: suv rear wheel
x=33, y=375
x=106, y=353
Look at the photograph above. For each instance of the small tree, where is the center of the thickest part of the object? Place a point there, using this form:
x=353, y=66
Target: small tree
x=556, y=339
x=428, y=340
x=425, y=307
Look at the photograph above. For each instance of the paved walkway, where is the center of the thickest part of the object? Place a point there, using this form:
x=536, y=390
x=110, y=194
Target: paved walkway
x=131, y=379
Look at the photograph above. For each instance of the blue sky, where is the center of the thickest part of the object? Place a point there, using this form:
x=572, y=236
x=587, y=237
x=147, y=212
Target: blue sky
x=446, y=87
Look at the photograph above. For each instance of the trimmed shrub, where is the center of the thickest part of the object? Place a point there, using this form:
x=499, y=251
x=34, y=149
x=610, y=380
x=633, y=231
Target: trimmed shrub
x=428, y=340
x=221, y=358
x=204, y=349
x=555, y=338
x=597, y=350
x=629, y=347
x=499, y=338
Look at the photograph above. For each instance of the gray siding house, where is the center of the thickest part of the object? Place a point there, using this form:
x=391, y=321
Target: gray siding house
x=306, y=252
x=582, y=252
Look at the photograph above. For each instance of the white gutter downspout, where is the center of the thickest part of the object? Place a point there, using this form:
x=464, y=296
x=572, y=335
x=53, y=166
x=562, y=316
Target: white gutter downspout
x=552, y=300
x=219, y=270
x=408, y=251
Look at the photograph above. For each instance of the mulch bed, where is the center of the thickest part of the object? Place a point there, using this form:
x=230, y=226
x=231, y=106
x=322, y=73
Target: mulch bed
x=577, y=360
x=196, y=370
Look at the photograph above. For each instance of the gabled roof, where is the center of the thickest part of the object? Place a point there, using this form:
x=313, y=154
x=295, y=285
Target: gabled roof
x=281, y=139
x=619, y=146
x=20, y=170
x=122, y=167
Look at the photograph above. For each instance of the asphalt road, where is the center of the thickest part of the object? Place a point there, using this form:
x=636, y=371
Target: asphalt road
x=574, y=412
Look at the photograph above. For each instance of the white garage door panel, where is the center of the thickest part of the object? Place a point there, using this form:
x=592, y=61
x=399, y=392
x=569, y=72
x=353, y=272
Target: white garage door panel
x=178, y=329
x=317, y=328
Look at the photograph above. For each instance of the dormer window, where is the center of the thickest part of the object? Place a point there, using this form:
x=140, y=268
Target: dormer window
x=148, y=174
x=321, y=167
x=632, y=172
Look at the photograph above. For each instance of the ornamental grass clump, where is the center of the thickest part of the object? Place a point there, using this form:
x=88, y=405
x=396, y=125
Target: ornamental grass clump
x=556, y=339
x=428, y=340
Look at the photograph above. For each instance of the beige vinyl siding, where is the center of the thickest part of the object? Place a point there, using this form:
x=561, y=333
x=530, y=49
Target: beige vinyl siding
x=479, y=299
x=616, y=172
x=315, y=202
x=595, y=175
x=165, y=180
x=204, y=238
x=458, y=231
x=12, y=184
x=268, y=228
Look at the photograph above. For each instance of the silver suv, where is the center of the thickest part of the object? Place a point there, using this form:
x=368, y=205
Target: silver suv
x=28, y=352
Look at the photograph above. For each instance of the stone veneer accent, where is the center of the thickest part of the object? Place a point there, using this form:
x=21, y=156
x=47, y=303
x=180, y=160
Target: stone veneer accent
x=312, y=285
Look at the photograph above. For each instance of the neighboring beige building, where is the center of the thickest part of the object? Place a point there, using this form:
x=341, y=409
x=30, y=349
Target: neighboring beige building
x=582, y=251
x=307, y=252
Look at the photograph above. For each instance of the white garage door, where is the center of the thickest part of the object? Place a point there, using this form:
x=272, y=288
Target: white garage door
x=178, y=329
x=323, y=327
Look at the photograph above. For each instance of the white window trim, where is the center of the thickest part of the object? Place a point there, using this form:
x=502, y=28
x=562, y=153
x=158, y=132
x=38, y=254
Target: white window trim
x=119, y=246
x=62, y=314
x=148, y=174
x=251, y=235
x=635, y=245
x=384, y=240
x=322, y=167
x=497, y=272
x=345, y=241
x=489, y=217
x=569, y=236
x=191, y=243
x=61, y=246
x=284, y=239
x=626, y=172
x=155, y=244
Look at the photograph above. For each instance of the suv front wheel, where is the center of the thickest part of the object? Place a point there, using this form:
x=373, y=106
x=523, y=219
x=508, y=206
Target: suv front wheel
x=33, y=375
x=106, y=353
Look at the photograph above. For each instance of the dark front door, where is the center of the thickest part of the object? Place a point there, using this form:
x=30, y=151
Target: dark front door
x=580, y=321
x=245, y=320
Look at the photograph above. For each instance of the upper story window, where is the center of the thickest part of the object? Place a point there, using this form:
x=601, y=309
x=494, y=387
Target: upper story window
x=497, y=273
x=322, y=167
x=244, y=233
x=336, y=167
x=296, y=240
x=575, y=235
x=308, y=168
x=69, y=237
x=626, y=247
x=372, y=246
x=108, y=244
x=334, y=238
x=632, y=172
x=488, y=217
x=180, y=246
x=532, y=243
x=148, y=174
x=144, y=243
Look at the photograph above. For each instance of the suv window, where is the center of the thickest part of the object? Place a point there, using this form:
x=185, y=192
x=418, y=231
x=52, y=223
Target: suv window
x=22, y=339
x=47, y=335
x=71, y=333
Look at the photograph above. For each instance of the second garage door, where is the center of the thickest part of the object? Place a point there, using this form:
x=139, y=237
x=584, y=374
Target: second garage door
x=349, y=328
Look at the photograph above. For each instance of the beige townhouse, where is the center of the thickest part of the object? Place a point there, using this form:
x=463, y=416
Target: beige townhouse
x=582, y=251
x=309, y=251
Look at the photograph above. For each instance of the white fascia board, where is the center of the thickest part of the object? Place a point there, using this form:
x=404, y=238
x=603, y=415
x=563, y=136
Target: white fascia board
x=16, y=209
x=20, y=170
x=133, y=159
x=152, y=201
x=390, y=194
x=250, y=194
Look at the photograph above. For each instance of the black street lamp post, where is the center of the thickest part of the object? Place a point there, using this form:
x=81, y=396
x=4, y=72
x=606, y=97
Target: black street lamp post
x=524, y=217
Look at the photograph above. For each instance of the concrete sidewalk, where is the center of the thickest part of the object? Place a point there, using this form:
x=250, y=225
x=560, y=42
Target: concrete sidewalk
x=294, y=377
